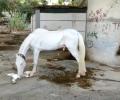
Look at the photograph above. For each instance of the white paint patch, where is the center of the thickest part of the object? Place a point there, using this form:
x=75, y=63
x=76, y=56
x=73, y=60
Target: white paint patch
x=14, y=77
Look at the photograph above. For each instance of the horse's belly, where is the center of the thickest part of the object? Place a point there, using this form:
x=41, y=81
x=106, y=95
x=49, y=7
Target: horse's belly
x=47, y=45
x=50, y=46
x=51, y=41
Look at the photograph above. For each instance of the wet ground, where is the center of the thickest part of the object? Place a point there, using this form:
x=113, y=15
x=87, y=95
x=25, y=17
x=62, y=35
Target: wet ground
x=55, y=80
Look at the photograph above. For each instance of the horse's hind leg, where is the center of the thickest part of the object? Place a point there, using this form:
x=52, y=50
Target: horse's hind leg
x=75, y=53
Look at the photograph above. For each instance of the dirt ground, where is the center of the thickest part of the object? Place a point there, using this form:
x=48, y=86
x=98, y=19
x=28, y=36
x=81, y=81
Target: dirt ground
x=55, y=80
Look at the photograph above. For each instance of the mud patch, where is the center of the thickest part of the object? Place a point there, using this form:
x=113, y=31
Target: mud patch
x=61, y=74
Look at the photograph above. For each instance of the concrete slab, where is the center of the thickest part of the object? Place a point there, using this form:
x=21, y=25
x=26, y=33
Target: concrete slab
x=105, y=81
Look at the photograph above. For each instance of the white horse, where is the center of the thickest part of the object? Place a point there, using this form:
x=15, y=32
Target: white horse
x=42, y=39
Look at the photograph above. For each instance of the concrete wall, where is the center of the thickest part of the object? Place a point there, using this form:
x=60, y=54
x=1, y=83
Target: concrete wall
x=103, y=31
x=57, y=21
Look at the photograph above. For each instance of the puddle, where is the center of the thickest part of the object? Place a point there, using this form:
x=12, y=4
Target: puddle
x=62, y=76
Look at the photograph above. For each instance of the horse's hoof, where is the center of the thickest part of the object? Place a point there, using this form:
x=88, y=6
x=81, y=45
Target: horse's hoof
x=78, y=76
x=31, y=74
x=13, y=82
x=27, y=74
x=83, y=73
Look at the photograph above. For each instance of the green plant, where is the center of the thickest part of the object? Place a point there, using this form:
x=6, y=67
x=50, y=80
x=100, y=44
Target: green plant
x=79, y=3
x=18, y=22
x=61, y=2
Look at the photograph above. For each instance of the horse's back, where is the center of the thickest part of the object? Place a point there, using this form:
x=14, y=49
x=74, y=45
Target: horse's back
x=39, y=30
x=71, y=33
x=44, y=31
x=45, y=34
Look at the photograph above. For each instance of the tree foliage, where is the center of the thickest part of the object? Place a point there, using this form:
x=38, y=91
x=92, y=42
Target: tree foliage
x=79, y=3
x=21, y=6
x=25, y=6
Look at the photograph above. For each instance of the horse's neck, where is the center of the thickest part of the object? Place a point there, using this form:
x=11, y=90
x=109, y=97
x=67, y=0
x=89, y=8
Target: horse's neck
x=24, y=47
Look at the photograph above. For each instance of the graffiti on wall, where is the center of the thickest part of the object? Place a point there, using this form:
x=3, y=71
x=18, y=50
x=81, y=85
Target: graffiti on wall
x=101, y=25
x=101, y=29
x=95, y=16
x=100, y=14
x=91, y=36
x=116, y=25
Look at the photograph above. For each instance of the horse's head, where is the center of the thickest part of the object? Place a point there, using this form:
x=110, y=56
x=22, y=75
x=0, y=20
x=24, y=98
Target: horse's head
x=20, y=63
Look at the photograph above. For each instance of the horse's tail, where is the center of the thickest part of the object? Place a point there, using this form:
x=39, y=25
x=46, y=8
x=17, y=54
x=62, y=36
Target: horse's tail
x=81, y=47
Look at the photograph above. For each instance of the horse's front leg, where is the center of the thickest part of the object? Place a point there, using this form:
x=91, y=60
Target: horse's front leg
x=35, y=61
